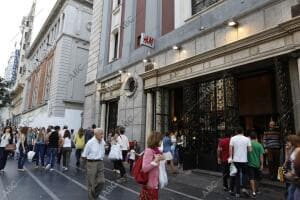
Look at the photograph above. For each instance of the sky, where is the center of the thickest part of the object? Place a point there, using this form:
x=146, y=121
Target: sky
x=11, y=14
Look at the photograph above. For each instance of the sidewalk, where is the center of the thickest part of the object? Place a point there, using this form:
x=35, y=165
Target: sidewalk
x=264, y=182
x=207, y=185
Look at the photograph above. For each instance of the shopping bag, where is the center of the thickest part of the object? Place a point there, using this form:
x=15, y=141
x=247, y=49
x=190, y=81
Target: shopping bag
x=163, y=177
x=30, y=155
x=280, y=174
x=232, y=169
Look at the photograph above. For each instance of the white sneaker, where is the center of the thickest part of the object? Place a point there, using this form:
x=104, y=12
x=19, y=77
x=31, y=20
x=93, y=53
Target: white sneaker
x=65, y=169
x=51, y=169
x=48, y=167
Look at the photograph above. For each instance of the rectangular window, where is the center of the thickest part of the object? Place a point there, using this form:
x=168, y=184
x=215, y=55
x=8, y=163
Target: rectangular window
x=140, y=17
x=116, y=44
x=198, y=5
x=167, y=16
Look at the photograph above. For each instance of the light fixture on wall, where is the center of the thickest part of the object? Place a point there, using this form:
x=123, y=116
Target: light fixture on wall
x=232, y=23
x=176, y=47
x=120, y=72
x=146, y=60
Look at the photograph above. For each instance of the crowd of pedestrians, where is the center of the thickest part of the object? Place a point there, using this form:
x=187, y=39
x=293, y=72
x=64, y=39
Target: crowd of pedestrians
x=241, y=157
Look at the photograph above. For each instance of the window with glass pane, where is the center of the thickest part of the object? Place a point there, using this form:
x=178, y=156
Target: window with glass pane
x=198, y=5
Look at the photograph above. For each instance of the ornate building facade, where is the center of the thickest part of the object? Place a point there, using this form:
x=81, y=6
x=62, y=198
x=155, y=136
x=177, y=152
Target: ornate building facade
x=199, y=68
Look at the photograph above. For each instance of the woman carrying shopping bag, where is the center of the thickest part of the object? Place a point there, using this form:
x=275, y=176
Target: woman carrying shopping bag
x=151, y=162
x=115, y=155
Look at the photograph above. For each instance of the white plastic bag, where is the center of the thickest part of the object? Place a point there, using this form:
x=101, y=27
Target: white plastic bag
x=163, y=177
x=17, y=147
x=233, y=170
x=115, y=152
x=30, y=155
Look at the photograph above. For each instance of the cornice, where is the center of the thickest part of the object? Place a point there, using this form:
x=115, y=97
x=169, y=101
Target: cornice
x=279, y=31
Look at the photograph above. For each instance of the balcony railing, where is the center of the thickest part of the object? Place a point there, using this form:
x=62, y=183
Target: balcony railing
x=198, y=5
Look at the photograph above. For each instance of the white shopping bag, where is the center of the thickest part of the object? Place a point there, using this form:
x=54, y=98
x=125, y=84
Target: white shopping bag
x=30, y=155
x=163, y=177
x=233, y=169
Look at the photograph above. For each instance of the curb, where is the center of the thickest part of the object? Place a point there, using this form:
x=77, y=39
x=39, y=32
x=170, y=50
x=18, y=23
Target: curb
x=264, y=182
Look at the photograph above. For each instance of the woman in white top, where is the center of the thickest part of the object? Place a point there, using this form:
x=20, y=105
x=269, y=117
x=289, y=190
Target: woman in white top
x=67, y=149
x=6, y=138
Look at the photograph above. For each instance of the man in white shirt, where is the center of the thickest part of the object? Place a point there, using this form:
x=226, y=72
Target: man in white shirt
x=123, y=141
x=238, y=150
x=94, y=154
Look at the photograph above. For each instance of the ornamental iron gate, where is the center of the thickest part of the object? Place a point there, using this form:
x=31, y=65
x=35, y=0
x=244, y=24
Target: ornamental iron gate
x=210, y=108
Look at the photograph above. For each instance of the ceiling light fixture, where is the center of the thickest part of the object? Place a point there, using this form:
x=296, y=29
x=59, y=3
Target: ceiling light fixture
x=146, y=60
x=176, y=47
x=232, y=23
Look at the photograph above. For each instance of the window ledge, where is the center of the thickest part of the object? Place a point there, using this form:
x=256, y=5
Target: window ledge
x=203, y=11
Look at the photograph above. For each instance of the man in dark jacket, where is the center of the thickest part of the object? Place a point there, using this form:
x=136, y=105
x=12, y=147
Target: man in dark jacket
x=53, y=144
x=89, y=133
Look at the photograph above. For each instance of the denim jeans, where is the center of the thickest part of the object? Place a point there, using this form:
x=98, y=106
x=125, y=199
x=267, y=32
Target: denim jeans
x=66, y=152
x=39, y=153
x=78, y=156
x=22, y=158
x=3, y=157
x=225, y=171
x=51, y=154
x=291, y=191
x=240, y=177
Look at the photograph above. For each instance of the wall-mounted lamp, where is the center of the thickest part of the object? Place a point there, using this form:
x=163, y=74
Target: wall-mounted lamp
x=146, y=60
x=232, y=23
x=176, y=47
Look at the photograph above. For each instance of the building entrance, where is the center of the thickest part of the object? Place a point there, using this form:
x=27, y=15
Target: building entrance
x=205, y=110
x=112, y=116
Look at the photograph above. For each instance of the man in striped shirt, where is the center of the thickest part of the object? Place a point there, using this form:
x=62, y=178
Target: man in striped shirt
x=272, y=145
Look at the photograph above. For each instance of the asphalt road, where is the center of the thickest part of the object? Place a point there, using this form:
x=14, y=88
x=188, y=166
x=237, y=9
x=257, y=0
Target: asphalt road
x=34, y=184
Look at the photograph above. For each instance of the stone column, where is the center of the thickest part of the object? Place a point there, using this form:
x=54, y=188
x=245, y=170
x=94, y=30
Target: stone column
x=149, y=115
x=97, y=109
x=103, y=116
x=159, y=111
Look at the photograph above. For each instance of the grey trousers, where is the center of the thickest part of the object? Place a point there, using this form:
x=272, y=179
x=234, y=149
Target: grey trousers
x=95, y=178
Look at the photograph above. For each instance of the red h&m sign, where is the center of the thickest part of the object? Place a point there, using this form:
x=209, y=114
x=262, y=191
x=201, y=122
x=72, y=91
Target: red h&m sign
x=147, y=40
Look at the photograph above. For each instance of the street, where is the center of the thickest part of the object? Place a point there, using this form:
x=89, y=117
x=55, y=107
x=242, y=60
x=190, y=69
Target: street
x=57, y=185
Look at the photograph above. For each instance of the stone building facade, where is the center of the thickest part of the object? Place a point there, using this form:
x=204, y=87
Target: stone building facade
x=57, y=61
x=214, y=65
x=22, y=73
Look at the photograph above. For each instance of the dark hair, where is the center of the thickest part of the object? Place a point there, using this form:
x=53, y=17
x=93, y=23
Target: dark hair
x=239, y=130
x=10, y=129
x=65, y=127
x=253, y=135
x=94, y=126
x=154, y=139
x=227, y=134
x=56, y=128
x=67, y=134
x=48, y=130
x=24, y=130
x=122, y=130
